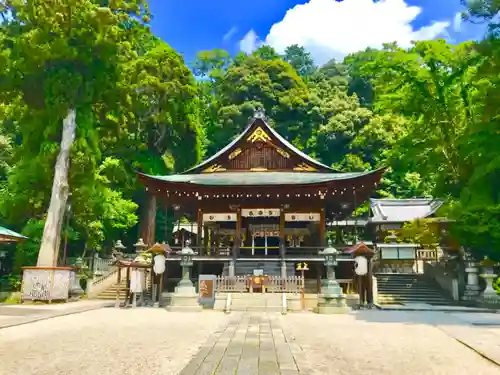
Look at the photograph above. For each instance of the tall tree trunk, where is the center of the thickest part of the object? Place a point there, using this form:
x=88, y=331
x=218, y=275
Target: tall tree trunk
x=51, y=239
x=148, y=220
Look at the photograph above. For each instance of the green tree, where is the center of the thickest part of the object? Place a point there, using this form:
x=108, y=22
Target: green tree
x=431, y=86
x=62, y=59
x=300, y=59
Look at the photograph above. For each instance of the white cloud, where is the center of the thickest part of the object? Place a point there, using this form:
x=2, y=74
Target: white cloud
x=332, y=29
x=227, y=36
x=457, y=22
x=250, y=42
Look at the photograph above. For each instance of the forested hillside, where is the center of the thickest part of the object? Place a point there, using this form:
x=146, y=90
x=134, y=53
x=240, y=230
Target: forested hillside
x=430, y=113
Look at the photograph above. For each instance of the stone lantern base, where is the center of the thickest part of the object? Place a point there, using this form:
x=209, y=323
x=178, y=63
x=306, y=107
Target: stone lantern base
x=490, y=295
x=184, y=299
x=331, y=300
x=331, y=305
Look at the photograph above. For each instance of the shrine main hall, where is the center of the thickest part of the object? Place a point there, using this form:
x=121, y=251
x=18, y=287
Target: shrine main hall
x=258, y=202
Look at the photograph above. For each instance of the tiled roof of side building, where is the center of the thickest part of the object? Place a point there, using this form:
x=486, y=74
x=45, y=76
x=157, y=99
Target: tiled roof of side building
x=4, y=232
x=403, y=210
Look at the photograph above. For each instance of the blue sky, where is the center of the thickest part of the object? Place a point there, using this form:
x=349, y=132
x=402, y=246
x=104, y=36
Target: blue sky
x=326, y=27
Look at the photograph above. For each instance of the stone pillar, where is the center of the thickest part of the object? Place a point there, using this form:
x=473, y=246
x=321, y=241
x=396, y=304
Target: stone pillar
x=231, y=270
x=283, y=269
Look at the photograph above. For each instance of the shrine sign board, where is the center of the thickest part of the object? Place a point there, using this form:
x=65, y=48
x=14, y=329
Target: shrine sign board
x=206, y=290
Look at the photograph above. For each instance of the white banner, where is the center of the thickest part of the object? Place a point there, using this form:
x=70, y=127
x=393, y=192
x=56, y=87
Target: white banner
x=361, y=265
x=219, y=217
x=260, y=212
x=312, y=216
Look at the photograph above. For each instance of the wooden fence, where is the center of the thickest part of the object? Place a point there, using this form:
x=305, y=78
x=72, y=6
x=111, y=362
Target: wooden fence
x=274, y=284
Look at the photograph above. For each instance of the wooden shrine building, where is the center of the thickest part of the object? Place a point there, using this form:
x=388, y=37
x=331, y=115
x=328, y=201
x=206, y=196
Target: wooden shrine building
x=259, y=201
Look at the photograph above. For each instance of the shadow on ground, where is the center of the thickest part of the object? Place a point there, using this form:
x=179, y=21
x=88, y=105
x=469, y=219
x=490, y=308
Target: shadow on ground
x=429, y=317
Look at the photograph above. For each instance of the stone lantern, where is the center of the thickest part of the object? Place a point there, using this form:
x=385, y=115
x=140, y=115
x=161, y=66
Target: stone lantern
x=119, y=246
x=185, y=297
x=489, y=294
x=186, y=263
x=331, y=300
x=75, y=289
x=118, y=250
x=140, y=246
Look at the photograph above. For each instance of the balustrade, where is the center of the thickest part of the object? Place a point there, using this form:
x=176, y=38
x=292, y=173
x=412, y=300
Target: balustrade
x=273, y=284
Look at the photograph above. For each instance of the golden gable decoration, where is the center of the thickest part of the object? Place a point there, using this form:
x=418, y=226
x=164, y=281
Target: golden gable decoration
x=259, y=135
x=303, y=167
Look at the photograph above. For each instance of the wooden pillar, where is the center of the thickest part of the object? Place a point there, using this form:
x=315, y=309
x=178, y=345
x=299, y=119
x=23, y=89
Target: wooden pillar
x=282, y=234
x=369, y=281
x=319, y=272
x=148, y=221
x=322, y=228
x=165, y=229
x=199, y=229
x=206, y=239
x=237, y=236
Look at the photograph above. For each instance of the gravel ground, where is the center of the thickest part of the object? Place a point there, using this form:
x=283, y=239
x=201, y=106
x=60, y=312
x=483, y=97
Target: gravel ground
x=394, y=343
x=107, y=342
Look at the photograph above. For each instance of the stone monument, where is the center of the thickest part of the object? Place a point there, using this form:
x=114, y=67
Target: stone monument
x=472, y=288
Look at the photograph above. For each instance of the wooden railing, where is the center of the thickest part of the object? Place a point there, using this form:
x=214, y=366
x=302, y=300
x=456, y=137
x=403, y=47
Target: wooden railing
x=427, y=254
x=274, y=284
x=99, y=284
x=289, y=284
x=239, y=284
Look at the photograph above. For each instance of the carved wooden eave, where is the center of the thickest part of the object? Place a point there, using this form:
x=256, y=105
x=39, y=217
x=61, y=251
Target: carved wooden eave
x=354, y=188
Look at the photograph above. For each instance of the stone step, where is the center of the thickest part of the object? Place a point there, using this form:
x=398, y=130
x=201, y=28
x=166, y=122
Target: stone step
x=403, y=289
x=416, y=296
x=407, y=291
x=412, y=298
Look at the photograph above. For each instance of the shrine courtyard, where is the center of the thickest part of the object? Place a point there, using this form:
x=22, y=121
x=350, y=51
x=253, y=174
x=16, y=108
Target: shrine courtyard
x=151, y=341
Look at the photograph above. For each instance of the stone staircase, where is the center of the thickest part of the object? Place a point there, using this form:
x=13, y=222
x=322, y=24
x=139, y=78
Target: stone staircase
x=402, y=289
x=270, y=302
x=271, y=268
x=110, y=292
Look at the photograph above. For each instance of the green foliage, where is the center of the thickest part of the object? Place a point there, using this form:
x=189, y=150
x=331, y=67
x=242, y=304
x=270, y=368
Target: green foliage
x=428, y=113
x=300, y=59
x=425, y=232
x=136, y=110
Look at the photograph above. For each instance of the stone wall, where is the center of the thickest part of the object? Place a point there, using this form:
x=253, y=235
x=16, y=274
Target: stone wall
x=445, y=278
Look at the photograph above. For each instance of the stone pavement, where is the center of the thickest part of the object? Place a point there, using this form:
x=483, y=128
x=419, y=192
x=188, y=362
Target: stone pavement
x=389, y=343
x=365, y=342
x=12, y=315
x=481, y=334
x=133, y=341
x=250, y=344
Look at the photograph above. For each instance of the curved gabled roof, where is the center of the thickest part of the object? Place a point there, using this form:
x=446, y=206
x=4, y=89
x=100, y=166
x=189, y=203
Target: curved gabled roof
x=259, y=119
